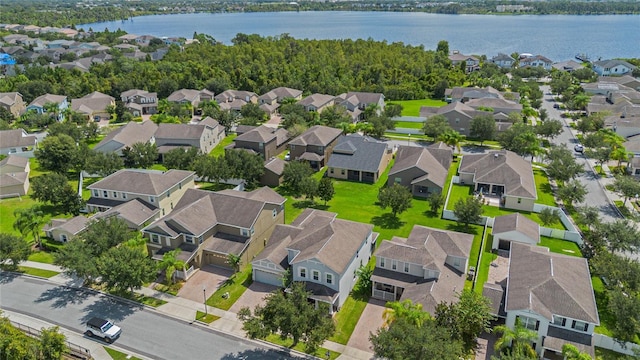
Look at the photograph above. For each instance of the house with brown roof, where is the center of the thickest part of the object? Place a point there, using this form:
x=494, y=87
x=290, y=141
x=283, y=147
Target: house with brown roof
x=204, y=136
x=18, y=142
x=14, y=176
x=317, y=102
x=38, y=104
x=263, y=140
x=64, y=230
x=161, y=190
x=13, y=103
x=208, y=226
x=458, y=114
x=190, y=96
x=422, y=170
x=465, y=94
x=514, y=227
x=94, y=105
x=273, y=171
x=136, y=213
x=495, y=105
x=127, y=135
x=357, y=102
x=140, y=102
x=472, y=63
x=501, y=173
x=321, y=251
x=429, y=267
x=358, y=158
x=276, y=95
x=552, y=295
x=315, y=145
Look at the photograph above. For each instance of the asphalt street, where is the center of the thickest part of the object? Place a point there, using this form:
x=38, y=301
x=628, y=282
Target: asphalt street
x=144, y=331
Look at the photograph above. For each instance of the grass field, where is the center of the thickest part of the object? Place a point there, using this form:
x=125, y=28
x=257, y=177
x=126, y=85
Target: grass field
x=412, y=107
x=219, y=149
x=37, y=272
x=408, y=125
x=482, y=271
x=560, y=246
x=117, y=355
x=347, y=318
x=235, y=286
x=543, y=188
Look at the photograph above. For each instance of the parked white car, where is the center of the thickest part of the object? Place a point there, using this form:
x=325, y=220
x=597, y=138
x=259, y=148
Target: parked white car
x=103, y=329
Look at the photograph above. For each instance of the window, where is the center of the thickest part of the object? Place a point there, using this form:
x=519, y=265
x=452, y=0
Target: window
x=316, y=275
x=124, y=195
x=456, y=262
x=115, y=195
x=519, y=200
x=397, y=180
x=331, y=170
x=275, y=212
x=244, y=232
x=406, y=267
x=342, y=171
x=105, y=193
x=381, y=262
x=260, y=146
x=96, y=193
x=559, y=320
x=152, y=199
x=188, y=239
x=329, y=278
x=579, y=325
x=303, y=272
x=63, y=238
x=155, y=239
x=529, y=323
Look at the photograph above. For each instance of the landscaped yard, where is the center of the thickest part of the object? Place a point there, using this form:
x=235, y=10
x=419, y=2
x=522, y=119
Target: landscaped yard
x=235, y=286
x=206, y=318
x=560, y=246
x=37, y=272
x=320, y=353
x=41, y=257
x=412, y=107
x=408, y=125
x=219, y=149
x=545, y=195
x=347, y=318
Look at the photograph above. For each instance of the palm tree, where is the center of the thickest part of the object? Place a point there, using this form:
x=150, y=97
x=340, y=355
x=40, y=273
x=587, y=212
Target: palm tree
x=29, y=221
x=170, y=263
x=51, y=108
x=405, y=309
x=451, y=138
x=519, y=338
x=570, y=352
x=234, y=260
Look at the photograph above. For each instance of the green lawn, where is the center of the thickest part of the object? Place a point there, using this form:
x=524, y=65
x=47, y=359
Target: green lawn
x=37, y=272
x=545, y=195
x=219, y=149
x=117, y=355
x=623, y=209
x=482, y=271
x=235, y=286
x=347, y=318
x=157, y=166
x=41, y=257
x=412, y=107
x=288, y=343
x=560, y=246
x=408, y=125
x=148, y=300
x=206, y=318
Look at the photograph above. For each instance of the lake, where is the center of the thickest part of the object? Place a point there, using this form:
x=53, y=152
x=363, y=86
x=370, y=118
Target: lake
x=558, y=37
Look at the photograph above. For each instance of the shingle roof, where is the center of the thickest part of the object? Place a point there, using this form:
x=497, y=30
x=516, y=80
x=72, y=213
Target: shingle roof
x=357, y=152
x=16, y=138
x=144, y=182
x=96, y=101
x=363, y=97
x=135, y=211
x=264, y=134
x=275, y=165
x=74, y=225
x=316, y=100
x=130, y=134
x=502, y=168
x=433, y=161
x=494, y=103
x=550, y=284
x=281, y=93
x=317, y=135
x=613, y=63
x=41, y=100
x=502, y=57
x=9, y=98
x=14, y=160
x=179, y=131
x=11, y=179
x=190, y=95
x=516, y=222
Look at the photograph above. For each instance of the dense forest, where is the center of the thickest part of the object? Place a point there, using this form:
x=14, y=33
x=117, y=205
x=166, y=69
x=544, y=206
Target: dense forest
x=63, y=13
x=258, y=64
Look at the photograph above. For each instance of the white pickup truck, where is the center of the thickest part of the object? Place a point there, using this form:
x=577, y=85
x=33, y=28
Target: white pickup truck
x=102, y=328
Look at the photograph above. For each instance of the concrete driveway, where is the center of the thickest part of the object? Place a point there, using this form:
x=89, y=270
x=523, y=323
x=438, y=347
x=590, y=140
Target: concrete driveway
x=370, y=321
x=253, y=296
x=209, y=278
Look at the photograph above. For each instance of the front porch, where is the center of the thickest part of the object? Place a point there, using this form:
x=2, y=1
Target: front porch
x=321, y=294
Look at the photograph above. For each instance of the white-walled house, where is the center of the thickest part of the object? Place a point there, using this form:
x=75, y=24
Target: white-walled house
x=514, y=227
x=612, y=67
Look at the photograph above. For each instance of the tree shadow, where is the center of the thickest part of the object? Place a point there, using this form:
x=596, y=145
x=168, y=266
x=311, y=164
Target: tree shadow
x=387, y=221
x=62, y=296
x=258, y=354
x=546, y=188
x=8, y=276
x=110, y=307
x=462, y=228
x=303, y=204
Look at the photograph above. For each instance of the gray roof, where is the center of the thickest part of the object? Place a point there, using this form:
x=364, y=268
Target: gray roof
x=362, y=98
x=516, y=222
x=502, y=168
x=264, y=134
x=316, y=100
x=14, y=160
x=494, y=103
x=11, y=179
x=138, y=92
x=275, y=165
x=96, y=101
x=503, y=57
x=433, y=161
x=613, y=63
x=135, y=211
x=281, y=93
x=74, y=225
x=317, y=135
x=357, y=152
x=495, y=294
x=131, y=133
x=179, y=131
x=427, y=111
x=550, y=284
x=144, y=182
x=16, y=138
x=41, y=100
x=534, y=58
x=190, y=95
x=10, y=98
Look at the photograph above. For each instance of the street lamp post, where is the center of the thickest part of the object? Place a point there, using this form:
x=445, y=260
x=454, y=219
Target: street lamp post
x=409, y=140
x=204, y=294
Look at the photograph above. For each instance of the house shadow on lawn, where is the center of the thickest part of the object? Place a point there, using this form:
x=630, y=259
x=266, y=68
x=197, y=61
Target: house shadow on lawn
x=387, y=221
x=461, y=228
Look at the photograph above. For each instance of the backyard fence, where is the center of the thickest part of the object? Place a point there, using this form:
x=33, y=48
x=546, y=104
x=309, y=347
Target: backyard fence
x=609, y=343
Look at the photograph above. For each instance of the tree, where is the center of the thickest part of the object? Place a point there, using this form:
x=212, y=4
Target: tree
x=570, y=352
x=519, y=339
x=443, y=47
x=467, y=318
x=379, y=125
x=325, y=189
x=521, y=139
x=572, y=192
x=393, y=110
x=468, y=210
x=289, y=315
x=406, y=341
x=180, y=158
x=123, y=268
x=293, y=174
x=435, y=126
x=407, y=310
x=169, y=264
x=333, y=115
x=14, y=249
x=103, y=164
x=483, y=127
x=451, y=138
x=252, y=112
x=396, y=197
x=78, y=260
x=600, y=154
x=549, y=128
x=29, y=221
x=562, y=164
x=627, y=187
x=234, y=260
x=626, y=309
x=53, y=344
x=436, y=201
x=621, y=235
x=244, y=165
x=549, y=216
x=140, y=155
x=57, y=153
x=65, y=128
x=56, y=190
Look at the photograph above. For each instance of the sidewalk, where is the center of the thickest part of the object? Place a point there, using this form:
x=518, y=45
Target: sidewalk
x=185, y=310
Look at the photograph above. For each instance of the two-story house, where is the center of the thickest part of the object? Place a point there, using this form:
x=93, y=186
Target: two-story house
x=357, y=102
x=94, y=106
x=458, y=114
x=190, y=96
x=503, y=60
x=140, y=102
x=161, y=190
x=422, y=170
x=204, y=136
x=18, y=142
x=40, y=105
x=472, y=63
x=208, y=226
x=315, y=145
x=276, y=95
x=13, y=103
x=612, y=67
x=263, y=140
x=465, y=94
x=428, y=268
x=317, y=102
x=537, y=61
x=320, y=250
x=125, y=136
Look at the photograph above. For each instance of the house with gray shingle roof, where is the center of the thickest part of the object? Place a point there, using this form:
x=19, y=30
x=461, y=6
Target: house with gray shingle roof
x=502, y=173
x=17, y=141
x=93, y=105
x=136, y=213
x=126, y=136
x=263, y=140
x=503, y=61
x=357, y=102
x=429, y=267
x=190, y=96
x=208, y=226
x=140, y=102
x=514, y=227
x=12, y=101
x=38, y=104
x=612, y=67
x=421, y=170
x=276, y=95
x=536, y=61
x=317, y=102
x=552, y=295
x=14, y=176
x=472, y=63
x=358, y=158
x=315, y=145
x=64, y=230
x=273, y=171
x=204, y=136
x=320, y=250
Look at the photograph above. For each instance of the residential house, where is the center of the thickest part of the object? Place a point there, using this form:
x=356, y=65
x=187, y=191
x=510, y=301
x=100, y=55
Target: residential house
x=626, y=80
x=276, y=95
x=38, y=104
x=320, y=250
x=422, y=170
x=496, y=105
x=472, y=63
x=501, y=173
x=514, y=227
x=273, y=171
x=263, y=140
x=14, y=176
x=458, y=114
x=140, y=102
x=64, y=230
x=236, y=99
x=536, y=61
x=503, y=60
x=209, y=226
x=429, y=267
x=315, y=145
x=204, y=136
x=136, y=213
x=317, y=102
x=568, y=66
x=357, y=102
x=161, y=190
x=128, y=38
x=13, y=103
x=552, y=295
x=17, y=142
x=465, y=94
x=94, y=105
x=358, y=158
x=127, y=135
x=634, y=166
x=612, y=67
x=190, y=96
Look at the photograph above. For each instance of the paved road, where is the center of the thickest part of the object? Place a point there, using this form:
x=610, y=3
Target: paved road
x=143, y=331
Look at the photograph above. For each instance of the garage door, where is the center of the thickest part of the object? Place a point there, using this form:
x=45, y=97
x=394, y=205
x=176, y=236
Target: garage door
x=267, y=277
